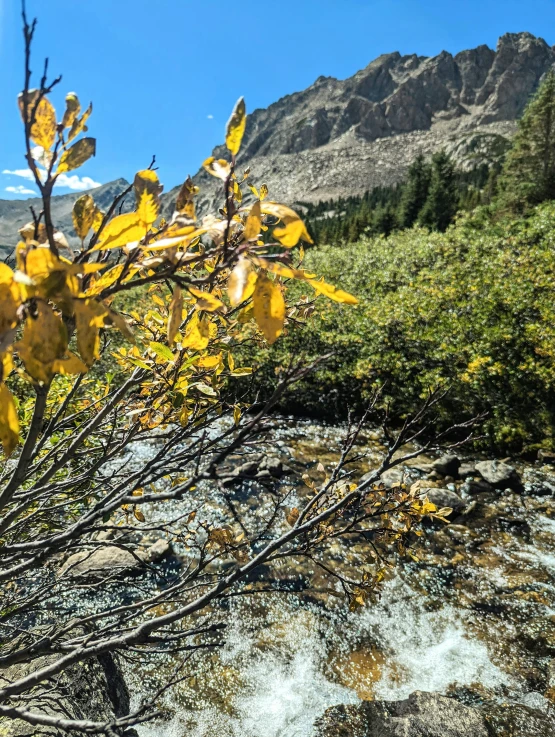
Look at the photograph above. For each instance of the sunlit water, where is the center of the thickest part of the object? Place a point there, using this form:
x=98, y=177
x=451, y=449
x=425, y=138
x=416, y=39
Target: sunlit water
x=286, y=661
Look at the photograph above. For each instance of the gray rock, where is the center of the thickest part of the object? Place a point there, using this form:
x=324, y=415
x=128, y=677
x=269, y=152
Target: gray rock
x=273, y=465
x=421, y=715
x=500, y=475
x=95, y=689
x=475, y=486
x=396, y=475
x=112, y=561
x=447, y=465
x=445, y=498
x=546, y=456
x=467, y=469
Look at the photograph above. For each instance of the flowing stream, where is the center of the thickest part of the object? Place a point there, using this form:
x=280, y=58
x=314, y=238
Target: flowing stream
x=475, y=618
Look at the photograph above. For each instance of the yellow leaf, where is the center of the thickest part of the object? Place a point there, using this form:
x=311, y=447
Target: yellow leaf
x=240, y=285
x=83, y=215
x=176, y=314
x=269, y=308
x=337, y=295
x=73, y=108
x=287, y=272
x=10, y=300
x=79, y=124
x=43, y=130
x=230, y=361
x=236, y=127
x=206, y=301
x=138, y=514
x=197, y=334
x=292, y=516
x=263, y=192
x=254, y=223
x=120, y=323
x=209, y=361
x=44, y=341
x=106, y=280
x=219, y=168
x=69, y=364
x=237, y=191
x=76, y=155
x=184, y=203
x=121, y=230
x=293, y=227
x=236, y=415
x=89, y=317
x=9, y=423
x=147, y=194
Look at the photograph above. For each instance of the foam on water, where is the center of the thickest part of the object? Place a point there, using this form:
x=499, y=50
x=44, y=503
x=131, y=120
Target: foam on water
x=427, y=650
x=285, y=684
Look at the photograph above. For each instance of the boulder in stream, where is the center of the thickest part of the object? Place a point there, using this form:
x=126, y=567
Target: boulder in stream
x=421, y=715
x=111, y=560
x=500, y=475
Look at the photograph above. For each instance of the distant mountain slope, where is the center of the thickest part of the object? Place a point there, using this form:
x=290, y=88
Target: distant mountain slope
x=15, y=213
x=342, y=137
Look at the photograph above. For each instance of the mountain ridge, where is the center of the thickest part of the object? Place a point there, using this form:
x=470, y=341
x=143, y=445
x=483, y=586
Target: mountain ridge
x=342, y=137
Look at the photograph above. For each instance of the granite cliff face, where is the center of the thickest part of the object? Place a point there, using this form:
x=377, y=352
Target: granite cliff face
x=342, y=137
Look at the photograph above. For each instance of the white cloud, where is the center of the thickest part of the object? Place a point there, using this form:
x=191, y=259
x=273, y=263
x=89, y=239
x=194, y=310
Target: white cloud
x=20, y=189
x=210, y=117
x=24, y=173
x=78, y=184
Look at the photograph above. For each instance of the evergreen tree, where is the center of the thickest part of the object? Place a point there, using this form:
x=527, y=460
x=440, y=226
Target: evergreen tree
x=443, y=198
x=415, y=192
x=529, y=172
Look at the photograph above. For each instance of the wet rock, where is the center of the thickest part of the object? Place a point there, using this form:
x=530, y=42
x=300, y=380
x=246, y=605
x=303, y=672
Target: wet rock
x=397, y=475
x=274, y=467
x=467, y=469
x=112, y=561
x=447, y=465
x=94, y=690
x=517, y=720
x=546, y=456
x=474, y=486
x=421, y=715
x=518, y=527
x=445, y=498
x=500, y=475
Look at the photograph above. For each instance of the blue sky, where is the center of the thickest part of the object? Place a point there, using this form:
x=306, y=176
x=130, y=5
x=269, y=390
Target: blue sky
x=164, y=75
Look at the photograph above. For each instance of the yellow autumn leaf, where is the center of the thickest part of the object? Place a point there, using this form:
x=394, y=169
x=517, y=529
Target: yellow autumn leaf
x=83, y=215
x=69, y=364
x=44, y=342
x=236, y=415
x=206, y=301
x=209, y=361
x=263, y=191
x=240, y=285
x=43, y=130
x=269, y=308
x=293, y=228
x=176, y=314
x=89, y=318
x=184, y=204
x=236, y=127
x=9, y=423
x=197, y=334
x=121, y=230
x=76, y=155
x=10, y=299
x=147, y=194
x=254, y=223
x=79, y=124
x=73, y=108
x=337, y=295
x=292, y=516
x=219, y=168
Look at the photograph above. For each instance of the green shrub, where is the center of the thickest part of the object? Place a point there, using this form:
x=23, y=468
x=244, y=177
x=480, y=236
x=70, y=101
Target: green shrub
x=471, y=309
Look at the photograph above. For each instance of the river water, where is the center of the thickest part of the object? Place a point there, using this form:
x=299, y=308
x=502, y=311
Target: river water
x=474, y=618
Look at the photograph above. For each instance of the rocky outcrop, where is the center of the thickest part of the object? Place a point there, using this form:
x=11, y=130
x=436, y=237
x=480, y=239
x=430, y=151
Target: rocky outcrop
x=343, y=137
x=433, y=715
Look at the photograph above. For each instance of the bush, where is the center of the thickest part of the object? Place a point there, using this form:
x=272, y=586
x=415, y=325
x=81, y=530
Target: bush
x=471, y=309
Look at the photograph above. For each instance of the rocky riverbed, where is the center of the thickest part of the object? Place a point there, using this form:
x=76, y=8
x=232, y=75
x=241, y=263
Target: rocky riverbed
x=473, y=619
